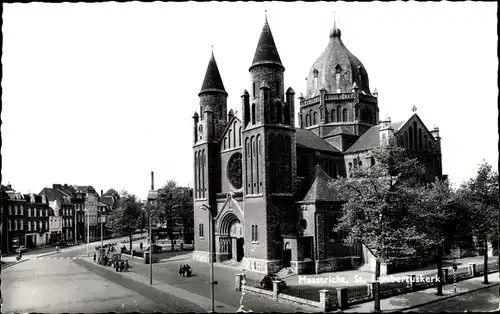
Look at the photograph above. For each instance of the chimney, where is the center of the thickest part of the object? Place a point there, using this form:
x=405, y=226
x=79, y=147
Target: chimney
x=152, y=180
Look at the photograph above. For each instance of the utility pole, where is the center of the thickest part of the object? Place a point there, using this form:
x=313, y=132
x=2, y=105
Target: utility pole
x=151, y=234
x=211, y=247
x=75, y=236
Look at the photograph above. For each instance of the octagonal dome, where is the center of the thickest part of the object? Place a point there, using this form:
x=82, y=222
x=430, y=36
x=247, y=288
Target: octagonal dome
x=336, y=70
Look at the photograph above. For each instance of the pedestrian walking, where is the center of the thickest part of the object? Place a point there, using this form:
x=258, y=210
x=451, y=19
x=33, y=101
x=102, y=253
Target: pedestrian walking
x=126, y=265
x=181, y=270
x=140, y=245
x=94, y=257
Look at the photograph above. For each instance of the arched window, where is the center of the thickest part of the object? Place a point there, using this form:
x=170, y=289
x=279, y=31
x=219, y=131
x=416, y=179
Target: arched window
x=420, y=145
x=369, y=117
x=339, y=112
x=253, y=88
x=344, y=115
x=405, y=139
x=286, y=112
x=239, y=137
x=307, y=120
x=229, y=139
x=225, y=143
x=278, y=112
x=310, y=118
x=332, y=115
x=410, y=138
x=350, y=169
x=415, y=135
x=425, y=142
x=315, y=74
x=315, y=116
x=247, y=114
x=356, y=112
x=338, y=69
x=253, y=113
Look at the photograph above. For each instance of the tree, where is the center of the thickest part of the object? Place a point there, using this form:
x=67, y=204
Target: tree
x=480, y=196
x=127, y=217
x=173, y=199
x=436, y=213
x=378, y=199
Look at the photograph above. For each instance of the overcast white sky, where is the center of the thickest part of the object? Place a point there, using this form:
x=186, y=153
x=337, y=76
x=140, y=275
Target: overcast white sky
x=101, y=94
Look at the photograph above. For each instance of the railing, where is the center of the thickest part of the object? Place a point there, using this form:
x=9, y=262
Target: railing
x=394, y=288
x=308, y=293
x=252, y=282
x=358, y=294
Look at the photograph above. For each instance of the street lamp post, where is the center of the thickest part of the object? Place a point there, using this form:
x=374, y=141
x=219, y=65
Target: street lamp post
x=150, y=248
x=75, y=236
x=102, y=228
x=211, y=239
x=88, y=230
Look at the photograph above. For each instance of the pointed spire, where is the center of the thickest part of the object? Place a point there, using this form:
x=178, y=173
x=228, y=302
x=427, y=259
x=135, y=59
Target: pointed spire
x=266, y=52
x=213, y=80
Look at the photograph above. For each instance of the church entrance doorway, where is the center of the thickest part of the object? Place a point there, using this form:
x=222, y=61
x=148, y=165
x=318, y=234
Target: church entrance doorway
x=231, y=237
x=287, y=255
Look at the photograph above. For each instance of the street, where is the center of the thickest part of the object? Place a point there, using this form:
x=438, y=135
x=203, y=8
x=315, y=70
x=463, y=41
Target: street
x=62, y=285
x=478, y=301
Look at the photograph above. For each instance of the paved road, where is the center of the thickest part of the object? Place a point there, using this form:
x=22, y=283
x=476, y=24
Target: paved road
x=478, y=301
x=64, y=285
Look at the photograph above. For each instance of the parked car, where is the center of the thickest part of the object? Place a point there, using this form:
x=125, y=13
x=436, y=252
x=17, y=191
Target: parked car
x=267, y=281
x=21, y=249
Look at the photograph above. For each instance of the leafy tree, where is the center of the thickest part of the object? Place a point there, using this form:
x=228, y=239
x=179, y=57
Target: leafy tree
x=436, y=213
x=127, y=218
x=173, y=199
x=377, y=200
x=480, y=196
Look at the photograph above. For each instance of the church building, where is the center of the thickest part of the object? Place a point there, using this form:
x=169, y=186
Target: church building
x=263, y=181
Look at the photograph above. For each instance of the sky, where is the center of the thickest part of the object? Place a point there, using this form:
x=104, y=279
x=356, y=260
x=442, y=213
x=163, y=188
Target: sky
x=102, y=94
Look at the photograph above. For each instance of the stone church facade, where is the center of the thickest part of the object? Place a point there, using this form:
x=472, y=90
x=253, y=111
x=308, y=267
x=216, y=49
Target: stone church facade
x=263, y=182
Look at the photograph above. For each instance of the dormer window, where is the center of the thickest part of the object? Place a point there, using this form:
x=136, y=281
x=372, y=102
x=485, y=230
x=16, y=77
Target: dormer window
x=315, y=74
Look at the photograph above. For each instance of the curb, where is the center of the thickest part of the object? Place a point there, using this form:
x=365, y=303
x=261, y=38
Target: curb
x=443, y=298
x=15, y=263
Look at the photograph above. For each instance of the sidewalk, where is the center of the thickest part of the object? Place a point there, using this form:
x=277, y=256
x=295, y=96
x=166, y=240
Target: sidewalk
x=406, y=302
x=203, y=302
x=199, y=284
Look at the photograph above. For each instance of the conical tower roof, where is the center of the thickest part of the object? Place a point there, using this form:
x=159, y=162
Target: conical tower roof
x=266, y=52
x=319, y=190
x=213, y=80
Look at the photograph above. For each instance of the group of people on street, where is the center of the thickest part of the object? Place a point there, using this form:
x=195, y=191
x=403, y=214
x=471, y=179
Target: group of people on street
x=122, y=265
x=185, y=270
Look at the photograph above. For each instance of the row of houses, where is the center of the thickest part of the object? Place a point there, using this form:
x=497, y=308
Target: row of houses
x=63, y=213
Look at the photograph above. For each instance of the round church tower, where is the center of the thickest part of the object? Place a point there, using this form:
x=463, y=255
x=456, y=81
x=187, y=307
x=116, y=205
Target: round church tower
x=338, y=106
x=336, y=70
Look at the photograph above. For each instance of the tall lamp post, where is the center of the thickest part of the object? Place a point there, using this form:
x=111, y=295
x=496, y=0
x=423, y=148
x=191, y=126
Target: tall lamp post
x=211, y=249
x=88, y=230
x=151, y=198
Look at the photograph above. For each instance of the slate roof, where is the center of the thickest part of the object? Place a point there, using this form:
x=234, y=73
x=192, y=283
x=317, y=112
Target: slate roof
x=108, y=200
x=308, y=139
x=266, y=52
x=319, y=190
x=371, y=138
x=213, y=79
